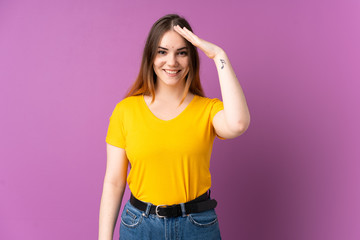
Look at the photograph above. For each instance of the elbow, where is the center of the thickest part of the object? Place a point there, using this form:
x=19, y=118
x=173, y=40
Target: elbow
x=241, y=127
x=244, y=127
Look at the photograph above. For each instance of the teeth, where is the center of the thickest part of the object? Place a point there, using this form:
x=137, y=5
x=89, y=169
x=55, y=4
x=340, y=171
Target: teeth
x=171, y=72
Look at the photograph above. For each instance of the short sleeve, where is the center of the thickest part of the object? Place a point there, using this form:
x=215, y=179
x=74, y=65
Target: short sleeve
x=115, y=134
x=217, y=106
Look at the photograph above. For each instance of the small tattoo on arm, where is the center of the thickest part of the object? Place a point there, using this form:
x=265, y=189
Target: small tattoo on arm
x=223, y=62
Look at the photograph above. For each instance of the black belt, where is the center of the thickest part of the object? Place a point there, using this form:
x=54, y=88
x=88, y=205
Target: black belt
x=200, y=204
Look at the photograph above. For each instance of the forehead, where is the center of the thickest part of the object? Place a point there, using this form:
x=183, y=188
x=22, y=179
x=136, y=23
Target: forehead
x=172, y=39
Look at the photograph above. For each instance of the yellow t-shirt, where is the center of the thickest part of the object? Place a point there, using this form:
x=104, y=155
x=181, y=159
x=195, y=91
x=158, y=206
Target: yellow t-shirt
x=169, y=159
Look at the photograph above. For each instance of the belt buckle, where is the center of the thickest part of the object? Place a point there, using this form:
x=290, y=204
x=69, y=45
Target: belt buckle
x=157, y=210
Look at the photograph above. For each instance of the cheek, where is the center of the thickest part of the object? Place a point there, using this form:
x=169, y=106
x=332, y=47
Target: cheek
x=158, y=63
x=187, y=66
x=185, y=62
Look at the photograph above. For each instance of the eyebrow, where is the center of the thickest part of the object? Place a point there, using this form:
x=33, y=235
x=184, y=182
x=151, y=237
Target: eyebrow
x=177, y=50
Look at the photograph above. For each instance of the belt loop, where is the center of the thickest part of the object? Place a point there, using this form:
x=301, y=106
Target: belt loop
x=147, y=211
x=209, y=193
x=183, y=209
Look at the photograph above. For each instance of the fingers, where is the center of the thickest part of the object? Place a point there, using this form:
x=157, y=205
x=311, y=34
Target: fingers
x=187, y=34
x=182, y=32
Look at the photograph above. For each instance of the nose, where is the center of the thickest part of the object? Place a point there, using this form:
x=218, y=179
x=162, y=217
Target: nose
x=172, y=61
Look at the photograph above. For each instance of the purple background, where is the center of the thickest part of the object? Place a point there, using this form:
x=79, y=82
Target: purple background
x=294, y=174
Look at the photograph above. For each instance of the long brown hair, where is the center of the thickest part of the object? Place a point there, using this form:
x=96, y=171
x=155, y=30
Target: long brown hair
x=145, y=82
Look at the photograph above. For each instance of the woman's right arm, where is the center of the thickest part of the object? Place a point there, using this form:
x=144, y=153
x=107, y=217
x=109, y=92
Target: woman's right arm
x=113, y=190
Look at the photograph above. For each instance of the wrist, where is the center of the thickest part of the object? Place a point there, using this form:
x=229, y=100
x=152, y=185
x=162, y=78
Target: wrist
x=220, y=53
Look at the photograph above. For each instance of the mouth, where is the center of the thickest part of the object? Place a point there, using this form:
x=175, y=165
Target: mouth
x=171, y=73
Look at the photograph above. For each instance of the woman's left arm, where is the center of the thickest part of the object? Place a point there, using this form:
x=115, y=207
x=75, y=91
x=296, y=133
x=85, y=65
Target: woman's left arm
x=235, y=118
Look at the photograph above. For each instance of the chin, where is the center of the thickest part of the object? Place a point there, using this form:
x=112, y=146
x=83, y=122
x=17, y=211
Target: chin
x=172, y=81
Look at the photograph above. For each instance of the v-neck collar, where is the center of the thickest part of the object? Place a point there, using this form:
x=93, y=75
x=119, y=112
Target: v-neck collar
x=170, y=120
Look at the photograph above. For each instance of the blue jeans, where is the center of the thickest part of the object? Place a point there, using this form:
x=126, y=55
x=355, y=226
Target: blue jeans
x=136, y=224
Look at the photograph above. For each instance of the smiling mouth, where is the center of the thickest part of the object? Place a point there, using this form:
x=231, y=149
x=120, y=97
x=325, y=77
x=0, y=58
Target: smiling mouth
x=172, y=72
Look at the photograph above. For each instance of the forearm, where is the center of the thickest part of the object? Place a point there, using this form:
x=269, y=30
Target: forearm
x=109, y=209
x=235, y=106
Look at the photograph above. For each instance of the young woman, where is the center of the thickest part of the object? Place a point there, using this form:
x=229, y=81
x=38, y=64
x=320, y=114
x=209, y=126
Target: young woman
x=165, y=128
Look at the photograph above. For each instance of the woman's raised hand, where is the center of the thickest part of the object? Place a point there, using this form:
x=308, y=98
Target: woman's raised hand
x=210, y=49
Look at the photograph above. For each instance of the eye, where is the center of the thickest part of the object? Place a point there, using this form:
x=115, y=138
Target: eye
x=161, y=52
x=183, y=53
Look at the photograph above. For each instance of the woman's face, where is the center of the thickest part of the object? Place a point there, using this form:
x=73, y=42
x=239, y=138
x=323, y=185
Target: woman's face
x=171, y=64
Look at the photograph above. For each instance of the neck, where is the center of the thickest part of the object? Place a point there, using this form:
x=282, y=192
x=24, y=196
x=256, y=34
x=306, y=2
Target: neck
x=169, y=93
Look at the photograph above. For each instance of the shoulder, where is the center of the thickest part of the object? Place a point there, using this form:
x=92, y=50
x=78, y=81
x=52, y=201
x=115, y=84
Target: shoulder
x=129, y=102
